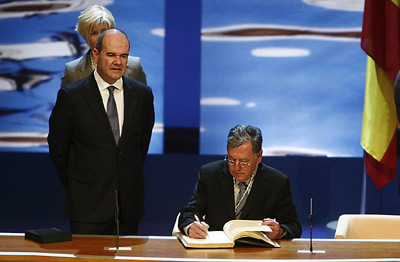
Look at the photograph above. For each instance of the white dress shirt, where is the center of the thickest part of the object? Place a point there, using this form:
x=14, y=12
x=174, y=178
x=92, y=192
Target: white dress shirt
x=118, y=96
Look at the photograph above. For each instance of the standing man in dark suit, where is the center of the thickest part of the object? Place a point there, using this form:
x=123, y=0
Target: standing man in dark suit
x=241, y=187
x=100, y=158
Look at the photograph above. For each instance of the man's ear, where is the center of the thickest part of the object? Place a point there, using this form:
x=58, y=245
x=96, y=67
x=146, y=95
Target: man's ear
x=95, y=54
x=259, y=156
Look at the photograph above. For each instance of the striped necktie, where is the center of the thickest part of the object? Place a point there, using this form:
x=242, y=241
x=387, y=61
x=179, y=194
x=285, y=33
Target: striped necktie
x=241, y=199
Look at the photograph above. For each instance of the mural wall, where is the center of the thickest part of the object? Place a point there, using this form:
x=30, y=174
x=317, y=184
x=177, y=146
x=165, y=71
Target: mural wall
x=38, y=38
x=293, y=68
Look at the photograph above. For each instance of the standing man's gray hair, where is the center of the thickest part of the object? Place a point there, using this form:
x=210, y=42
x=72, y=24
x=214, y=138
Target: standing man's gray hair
x=240, y=134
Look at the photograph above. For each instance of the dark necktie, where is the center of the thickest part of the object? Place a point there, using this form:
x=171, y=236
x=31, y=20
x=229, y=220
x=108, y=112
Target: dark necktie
x=113, y=114
x=241, y=199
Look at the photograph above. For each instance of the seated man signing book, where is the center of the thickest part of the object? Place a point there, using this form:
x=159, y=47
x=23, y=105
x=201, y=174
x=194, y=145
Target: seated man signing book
x=241, y=187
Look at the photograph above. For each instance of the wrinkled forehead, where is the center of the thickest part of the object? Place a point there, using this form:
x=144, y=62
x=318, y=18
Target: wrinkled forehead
x=243, y=151
x=115, y=43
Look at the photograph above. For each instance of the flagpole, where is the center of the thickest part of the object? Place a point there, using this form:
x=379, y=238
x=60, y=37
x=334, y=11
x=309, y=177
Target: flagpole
x=363, y=190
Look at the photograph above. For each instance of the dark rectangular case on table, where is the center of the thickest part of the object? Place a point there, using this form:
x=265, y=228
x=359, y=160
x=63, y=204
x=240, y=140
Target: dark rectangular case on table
x=48, y=235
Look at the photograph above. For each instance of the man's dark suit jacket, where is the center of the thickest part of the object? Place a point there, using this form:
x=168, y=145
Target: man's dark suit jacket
x=88, y=161
x=270, y=197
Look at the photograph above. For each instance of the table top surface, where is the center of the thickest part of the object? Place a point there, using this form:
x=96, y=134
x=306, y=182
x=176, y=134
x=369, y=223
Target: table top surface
x=153, y=248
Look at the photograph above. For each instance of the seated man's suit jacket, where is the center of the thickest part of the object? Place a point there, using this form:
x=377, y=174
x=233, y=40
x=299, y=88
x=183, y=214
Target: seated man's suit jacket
x=270, y=197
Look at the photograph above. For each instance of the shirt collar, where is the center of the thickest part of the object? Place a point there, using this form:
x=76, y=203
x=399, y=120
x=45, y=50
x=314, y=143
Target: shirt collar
x=103, y=84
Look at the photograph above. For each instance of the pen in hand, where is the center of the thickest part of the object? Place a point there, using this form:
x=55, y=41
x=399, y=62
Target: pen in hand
x=198, y=220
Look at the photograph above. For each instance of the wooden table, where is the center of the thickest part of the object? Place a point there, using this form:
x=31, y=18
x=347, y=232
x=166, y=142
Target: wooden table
x=13, y=247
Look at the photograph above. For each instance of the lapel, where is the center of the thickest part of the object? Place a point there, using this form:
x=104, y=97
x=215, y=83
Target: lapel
x=226, y=182
x=94, y=100
x=129, y=67
x=257, y=190
x=84, y=66
x=130, y=102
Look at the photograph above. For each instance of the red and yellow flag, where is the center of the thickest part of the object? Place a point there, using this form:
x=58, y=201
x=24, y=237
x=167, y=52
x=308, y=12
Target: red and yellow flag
x=380, y=39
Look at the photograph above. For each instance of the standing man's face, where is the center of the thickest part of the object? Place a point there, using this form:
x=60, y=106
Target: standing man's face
x=113, y=58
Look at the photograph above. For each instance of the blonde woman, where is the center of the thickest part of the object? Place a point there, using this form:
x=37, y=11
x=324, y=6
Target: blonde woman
x=91, y=22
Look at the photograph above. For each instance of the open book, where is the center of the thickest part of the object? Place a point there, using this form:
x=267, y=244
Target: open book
x=249, y=232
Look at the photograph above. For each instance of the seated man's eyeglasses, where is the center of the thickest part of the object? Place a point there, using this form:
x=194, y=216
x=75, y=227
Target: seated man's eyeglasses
x=232, y=162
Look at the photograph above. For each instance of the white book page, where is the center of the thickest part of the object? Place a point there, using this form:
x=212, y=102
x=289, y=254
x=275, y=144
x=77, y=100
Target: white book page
x=236, y=226
x=214, y=237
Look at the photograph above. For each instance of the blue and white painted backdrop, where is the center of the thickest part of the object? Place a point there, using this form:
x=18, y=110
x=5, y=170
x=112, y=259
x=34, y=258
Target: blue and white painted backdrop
x=38, y=38
x=294, y=68
x=288, y=67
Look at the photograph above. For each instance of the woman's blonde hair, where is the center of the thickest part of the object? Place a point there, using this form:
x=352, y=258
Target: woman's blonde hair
x=92, y=16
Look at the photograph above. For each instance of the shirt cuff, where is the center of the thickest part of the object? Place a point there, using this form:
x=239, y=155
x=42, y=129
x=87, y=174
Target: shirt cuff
x=186, y=228
x=284, y=232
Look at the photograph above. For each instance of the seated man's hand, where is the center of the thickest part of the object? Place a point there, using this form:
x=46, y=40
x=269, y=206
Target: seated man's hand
x=277, y=231
x=198, y=230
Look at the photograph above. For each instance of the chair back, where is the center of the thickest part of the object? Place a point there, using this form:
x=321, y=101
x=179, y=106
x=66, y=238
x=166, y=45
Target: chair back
x=175, y=229
x=368, y=227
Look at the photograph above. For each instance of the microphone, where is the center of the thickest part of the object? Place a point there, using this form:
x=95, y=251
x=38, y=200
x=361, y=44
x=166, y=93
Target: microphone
x=117, y=225
x=310, y=221
x=311, y=225
x=117, y=217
